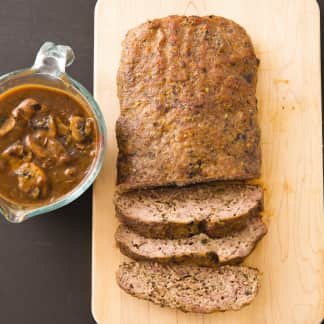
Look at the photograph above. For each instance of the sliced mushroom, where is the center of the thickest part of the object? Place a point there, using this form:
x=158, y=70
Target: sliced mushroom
x=16, y=154
x=81, y=128
x=26, y=109
x=16, y=150
x=63, y=132
x=7, y=126
x=52, y=131
x=77, y=126
x=44, y=123
x=32, y=180
x=57, y=151
x=40, y=137
x=36, y=147
x=62, y=129
x=88, y=128
x=48, y=150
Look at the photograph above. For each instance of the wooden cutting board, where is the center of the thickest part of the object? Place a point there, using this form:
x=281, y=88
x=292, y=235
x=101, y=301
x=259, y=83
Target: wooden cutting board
x=286, y=35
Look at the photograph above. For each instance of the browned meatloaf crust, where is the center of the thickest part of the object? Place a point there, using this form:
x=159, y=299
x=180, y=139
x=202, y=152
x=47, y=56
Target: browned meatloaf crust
x=215, y=209
x=190, y=288
x=186, y=87
x=199, y=249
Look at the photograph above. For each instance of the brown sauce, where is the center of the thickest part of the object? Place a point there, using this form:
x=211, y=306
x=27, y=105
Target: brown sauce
x=48, y=141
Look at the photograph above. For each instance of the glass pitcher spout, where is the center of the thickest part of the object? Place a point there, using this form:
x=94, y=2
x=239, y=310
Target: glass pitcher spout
x=53, y=59
x=12, y=213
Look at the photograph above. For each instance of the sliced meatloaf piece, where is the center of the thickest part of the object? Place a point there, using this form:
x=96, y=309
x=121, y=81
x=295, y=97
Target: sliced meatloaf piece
x=190, y=288
x=215, y=209
x=199, y=249
x=186, y=87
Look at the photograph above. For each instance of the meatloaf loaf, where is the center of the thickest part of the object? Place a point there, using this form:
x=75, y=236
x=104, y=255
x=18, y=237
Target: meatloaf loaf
x=199, y=249
x=186, y=87
x=190, y=288
x=215, y=209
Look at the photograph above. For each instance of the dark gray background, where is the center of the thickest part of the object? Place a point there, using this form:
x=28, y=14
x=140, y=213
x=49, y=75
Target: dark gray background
x=45, y=263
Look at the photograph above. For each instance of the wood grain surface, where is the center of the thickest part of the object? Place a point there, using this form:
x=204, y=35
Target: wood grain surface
x=286, y=36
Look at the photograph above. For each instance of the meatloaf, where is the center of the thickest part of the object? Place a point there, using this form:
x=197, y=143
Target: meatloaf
x=199, y=249
x=215, y=209
x=190, y=288
x=186, y=87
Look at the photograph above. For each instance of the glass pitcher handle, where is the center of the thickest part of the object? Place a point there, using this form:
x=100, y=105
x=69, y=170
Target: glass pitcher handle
x=52, y=59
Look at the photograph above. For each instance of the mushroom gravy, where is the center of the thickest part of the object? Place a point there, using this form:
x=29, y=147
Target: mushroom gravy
x=48, y=141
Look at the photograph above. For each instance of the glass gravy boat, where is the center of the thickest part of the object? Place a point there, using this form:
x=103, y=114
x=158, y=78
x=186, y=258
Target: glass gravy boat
x=49, y=70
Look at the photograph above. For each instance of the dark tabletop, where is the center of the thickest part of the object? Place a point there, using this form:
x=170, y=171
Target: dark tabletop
x=45, y=263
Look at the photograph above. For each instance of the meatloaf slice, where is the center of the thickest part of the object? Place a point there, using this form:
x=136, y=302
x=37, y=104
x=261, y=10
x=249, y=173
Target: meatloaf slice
x=186, y=87
x=190, y=288
x=199, y=249
x=215, y=209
